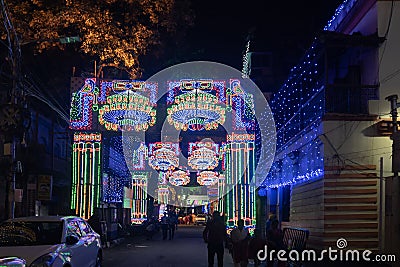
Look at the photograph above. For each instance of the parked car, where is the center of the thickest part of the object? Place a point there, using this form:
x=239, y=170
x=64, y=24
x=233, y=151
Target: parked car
x=55, y=241
x=200, y=219
x=12, y=262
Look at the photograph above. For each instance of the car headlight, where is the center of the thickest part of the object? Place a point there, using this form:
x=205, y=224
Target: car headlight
x=45, y=260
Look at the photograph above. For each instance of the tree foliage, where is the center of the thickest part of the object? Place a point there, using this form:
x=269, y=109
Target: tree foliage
x=115, y=32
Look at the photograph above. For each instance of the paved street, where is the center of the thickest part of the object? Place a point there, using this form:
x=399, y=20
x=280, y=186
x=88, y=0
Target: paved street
x=187, y=249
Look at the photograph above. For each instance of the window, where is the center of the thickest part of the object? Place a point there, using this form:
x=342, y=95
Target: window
x=73, y=228
x=84, y=227
x=26, y=233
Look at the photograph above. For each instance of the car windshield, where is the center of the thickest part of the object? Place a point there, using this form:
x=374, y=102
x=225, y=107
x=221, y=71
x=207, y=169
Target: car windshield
x=30, y=233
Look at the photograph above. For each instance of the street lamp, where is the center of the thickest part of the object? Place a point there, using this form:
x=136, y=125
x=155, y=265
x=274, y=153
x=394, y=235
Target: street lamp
x=395, y=230
x=394, y=105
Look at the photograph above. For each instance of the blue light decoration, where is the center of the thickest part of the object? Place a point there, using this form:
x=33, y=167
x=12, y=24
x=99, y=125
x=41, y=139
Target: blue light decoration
x=242, y=104
x=81, y=106
x=298, y=108
x=340, y=13
x=116, y=174
x=196, y=104
x=246, y=61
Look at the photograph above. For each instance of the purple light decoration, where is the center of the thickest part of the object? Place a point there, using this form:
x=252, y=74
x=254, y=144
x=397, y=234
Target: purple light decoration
x=81, y=106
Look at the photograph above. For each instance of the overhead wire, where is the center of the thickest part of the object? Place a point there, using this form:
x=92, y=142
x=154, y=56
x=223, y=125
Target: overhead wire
x=33, y=91
x=49, y=96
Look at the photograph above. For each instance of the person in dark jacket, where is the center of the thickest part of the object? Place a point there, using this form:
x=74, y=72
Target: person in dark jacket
x=257, y=243
x=164, y=225
x=94, y=222
x=215, y=235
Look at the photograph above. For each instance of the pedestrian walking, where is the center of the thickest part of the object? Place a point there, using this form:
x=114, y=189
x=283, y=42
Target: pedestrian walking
x=214, y=235
x=240, y=238
x=271, y=218
x=172, y=222
x=257, y=243
x=164, y=225
x=275, y=241
x=151, y=229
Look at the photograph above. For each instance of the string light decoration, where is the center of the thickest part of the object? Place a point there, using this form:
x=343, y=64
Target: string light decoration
x=205, y=157
x=340, y=13
x=308, y=164
x=221, y=192
x=139, y=156
x=246, y=61
x=163, y=194
x=242, y=105
x=81, y=106
x=195, y=104
x=162, y=178
x=179, y=178
x=86, y=174
x=191, y=105
x=164, y=156
x=127, y=111
x=121, y=105
x=298, y=108
x=240, y=169
x=139, y=199
x=116, y=173
x=207, y=178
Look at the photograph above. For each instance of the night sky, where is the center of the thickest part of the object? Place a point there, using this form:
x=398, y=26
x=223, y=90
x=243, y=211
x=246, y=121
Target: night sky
x=285, y=28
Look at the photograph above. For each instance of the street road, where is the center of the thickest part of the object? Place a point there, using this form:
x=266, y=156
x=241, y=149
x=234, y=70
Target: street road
x=186, y=249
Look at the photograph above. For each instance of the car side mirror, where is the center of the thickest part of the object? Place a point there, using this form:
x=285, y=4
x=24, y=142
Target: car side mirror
x=71, y=239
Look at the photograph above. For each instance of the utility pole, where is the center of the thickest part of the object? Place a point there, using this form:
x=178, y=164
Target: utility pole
x=14, y=113
x=394, y=105
x=11, y=111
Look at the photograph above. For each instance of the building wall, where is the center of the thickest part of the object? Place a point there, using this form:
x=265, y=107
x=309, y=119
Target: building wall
x=348, y=143
x=389, y=77
x=352, y=191
x=352, y=201
x=389, y=54
x=307, y=210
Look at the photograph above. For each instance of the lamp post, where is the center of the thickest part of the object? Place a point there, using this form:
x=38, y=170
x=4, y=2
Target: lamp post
x=394, y=105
